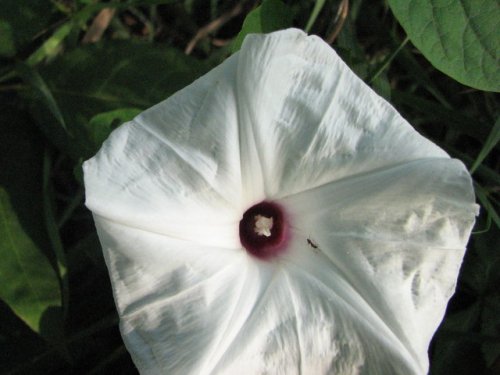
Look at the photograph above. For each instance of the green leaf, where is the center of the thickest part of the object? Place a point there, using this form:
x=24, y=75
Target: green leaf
x=28, y=283
x=489, y=144
x=7, y=42
x=488, y=206
x=101, y=125
x=272, y=15
x=53, y=231
x=421, y=76
x=460, y=38
x=382, y=86
x=387, y=61
x=314, y=14
x=20, y=21
x=32, y=78
x=51, y=46
x=432, y=111
x=108, y=76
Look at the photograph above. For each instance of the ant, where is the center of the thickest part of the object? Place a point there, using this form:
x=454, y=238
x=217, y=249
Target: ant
x=313, y=244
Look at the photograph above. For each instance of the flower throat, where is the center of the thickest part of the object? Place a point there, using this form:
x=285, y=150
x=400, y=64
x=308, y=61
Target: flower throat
x=264, y=230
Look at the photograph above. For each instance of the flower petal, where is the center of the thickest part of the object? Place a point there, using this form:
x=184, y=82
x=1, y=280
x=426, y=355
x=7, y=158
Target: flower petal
x=312, y=119
x=186, y=309
x=174, y=297
x=303, y=326
x=397, y=235
x=379, y=217
x=175, y=169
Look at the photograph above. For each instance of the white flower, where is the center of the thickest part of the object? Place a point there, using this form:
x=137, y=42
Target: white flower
x=354, y=229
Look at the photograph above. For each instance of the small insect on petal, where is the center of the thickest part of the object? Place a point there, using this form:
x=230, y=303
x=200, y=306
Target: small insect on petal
x=312, y=243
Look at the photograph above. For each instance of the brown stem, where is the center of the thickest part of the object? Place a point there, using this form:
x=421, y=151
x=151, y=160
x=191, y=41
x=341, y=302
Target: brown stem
x=342, y=13
x=214, y=26
x=98, y=26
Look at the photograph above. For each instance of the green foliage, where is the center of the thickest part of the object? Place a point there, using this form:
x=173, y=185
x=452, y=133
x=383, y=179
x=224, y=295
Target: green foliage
x=60, y=99
x=28, y=284
x=20, y=22
x=318, y=6
x=52, y=45
x=37, y=83
x=459, y=38
x=102, y=124
x=272, y=15
x=489, y=145
x=482, y=196
x=130, y=75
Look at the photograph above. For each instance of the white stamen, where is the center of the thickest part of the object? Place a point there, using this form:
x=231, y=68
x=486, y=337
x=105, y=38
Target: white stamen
x=263, y=225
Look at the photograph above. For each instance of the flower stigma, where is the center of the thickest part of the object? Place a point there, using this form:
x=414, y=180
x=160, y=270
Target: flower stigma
x=264, y=230
x=263, y=225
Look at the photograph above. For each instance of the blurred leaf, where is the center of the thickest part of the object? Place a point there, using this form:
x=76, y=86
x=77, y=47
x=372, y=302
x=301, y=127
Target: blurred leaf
x=20, y=21
x=318, y=5
x=51, y=46
x=53, y=231
x=76, y=200
x=32, y=78
x=78, y=20
x=271, y=15
x=483, y=198
x=489, y=144
x=387, y=61
x=350, y=49
x=78, y=171
x=101, y=125
x=382, y=85
x=421, y=75
x=482, y=171
x=95, y=79
x=28, y=283
x=7, y=43
x=460, y=38
x=432, y=111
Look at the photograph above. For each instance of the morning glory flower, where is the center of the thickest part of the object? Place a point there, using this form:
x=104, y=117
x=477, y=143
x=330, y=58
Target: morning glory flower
x=279, y=217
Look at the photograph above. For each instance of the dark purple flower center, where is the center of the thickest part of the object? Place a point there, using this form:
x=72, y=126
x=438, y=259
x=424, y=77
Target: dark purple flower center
x=264, y=230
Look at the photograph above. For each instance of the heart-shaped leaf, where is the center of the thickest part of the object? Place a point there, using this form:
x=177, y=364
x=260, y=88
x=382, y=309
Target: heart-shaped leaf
x=460, y=38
